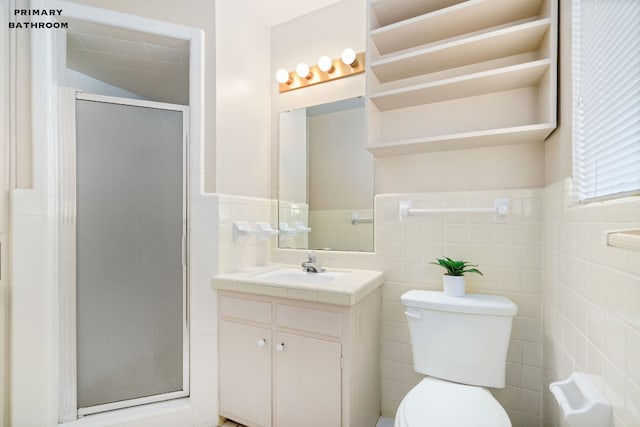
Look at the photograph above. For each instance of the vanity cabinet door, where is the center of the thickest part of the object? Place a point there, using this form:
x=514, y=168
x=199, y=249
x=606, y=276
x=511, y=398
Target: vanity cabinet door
x=245, y=372
x=307, y=382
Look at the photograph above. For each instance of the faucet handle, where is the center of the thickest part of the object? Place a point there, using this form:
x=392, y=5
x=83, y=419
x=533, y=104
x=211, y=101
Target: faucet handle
x=311, y=256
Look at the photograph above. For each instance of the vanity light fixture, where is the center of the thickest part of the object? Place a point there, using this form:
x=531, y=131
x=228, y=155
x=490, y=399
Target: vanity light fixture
x=348, y=57
x=325, y=64
x=282, y=76
x=302, y=70
x=349, y=64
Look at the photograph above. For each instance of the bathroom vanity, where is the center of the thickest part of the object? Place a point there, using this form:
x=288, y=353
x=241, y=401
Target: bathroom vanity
x=299, y=354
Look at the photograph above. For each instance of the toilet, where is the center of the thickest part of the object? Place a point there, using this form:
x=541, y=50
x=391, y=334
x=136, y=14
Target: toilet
x=461, y=344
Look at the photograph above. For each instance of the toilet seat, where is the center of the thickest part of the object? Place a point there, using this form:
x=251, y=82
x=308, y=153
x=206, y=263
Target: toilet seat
x=438, y=403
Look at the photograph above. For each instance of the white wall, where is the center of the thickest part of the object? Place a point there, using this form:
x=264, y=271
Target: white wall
x=558, y=156
x=509, y=166
x=243, y=80
x=4, y=206
x=326, y=31
x=21, y=105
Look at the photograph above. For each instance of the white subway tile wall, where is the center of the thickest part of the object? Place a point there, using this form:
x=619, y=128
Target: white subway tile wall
x=508, y=251
x=591, y=301
x=30, y=301
x=247, y=251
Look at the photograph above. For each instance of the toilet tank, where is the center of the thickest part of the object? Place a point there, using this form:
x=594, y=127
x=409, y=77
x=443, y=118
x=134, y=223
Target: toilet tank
x=460, y=339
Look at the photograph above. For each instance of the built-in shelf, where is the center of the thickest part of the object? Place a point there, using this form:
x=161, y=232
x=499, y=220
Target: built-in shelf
x=452, y=21
x=501, y=79
x=495, y=44
x=453, y=74
x=390, y=11
x=484, y=138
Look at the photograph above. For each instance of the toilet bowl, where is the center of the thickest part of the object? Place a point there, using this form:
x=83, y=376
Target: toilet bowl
x=461, y=344
x=438, y=403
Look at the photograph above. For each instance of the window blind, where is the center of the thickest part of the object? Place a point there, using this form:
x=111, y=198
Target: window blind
x=606, y=99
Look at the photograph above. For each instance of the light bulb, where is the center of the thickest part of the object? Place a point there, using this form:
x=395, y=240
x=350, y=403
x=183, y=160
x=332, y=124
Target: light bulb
x=282, y=76
x=302, y=69
x=325, y=64
x=348, y=56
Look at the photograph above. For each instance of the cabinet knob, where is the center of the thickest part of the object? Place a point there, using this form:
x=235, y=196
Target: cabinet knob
x=262, y=342
x=280, y=347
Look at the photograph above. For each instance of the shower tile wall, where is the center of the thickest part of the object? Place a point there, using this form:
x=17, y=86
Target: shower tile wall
x=508, y=252
x=591, y=301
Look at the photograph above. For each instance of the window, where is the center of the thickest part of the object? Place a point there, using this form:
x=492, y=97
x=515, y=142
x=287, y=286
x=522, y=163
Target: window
x=606, y=99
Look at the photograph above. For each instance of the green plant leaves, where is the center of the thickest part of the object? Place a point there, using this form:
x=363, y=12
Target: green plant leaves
x=456, y=268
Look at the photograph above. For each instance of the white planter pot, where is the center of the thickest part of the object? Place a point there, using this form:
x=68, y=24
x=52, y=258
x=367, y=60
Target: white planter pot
x=453, y=285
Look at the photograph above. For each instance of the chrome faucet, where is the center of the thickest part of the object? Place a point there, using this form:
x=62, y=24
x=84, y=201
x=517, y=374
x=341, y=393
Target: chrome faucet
x=310, y=265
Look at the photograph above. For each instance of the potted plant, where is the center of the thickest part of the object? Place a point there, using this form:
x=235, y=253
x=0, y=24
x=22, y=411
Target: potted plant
x=453, y=279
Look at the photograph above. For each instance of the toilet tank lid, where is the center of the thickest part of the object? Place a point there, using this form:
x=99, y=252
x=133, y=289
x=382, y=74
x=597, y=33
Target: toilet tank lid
x=470, y=303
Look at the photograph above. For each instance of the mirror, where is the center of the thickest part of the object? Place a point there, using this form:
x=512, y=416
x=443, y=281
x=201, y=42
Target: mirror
x=325, y=198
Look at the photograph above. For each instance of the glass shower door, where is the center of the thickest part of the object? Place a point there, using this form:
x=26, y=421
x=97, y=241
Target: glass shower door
x=131, y=340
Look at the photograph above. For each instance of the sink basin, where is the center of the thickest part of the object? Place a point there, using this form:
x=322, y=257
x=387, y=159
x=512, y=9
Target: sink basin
x=293, y=275
x=338, y=286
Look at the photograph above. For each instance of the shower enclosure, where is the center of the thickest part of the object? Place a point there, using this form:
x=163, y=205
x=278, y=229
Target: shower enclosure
x=128, y=270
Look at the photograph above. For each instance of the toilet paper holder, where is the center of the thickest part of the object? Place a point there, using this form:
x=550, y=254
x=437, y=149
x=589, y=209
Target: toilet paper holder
x=581, y=401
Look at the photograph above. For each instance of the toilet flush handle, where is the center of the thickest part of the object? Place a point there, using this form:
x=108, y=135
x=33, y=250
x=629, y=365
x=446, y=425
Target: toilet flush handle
x=413, y=314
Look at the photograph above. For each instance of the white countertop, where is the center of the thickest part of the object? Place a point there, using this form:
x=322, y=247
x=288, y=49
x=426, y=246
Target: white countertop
x=347, y=290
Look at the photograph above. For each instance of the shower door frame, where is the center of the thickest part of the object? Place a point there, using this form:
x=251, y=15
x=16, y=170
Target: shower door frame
x=67, y=244
x=36, y=382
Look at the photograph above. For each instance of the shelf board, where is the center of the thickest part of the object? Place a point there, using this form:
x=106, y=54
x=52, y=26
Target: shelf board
x=456, y=20
x=497, y=80
x=484, y=138
x=390, y=11
x=483, y=47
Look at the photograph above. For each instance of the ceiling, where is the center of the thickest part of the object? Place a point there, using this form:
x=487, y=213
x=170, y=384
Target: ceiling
x=274, y=12
x=152, y=66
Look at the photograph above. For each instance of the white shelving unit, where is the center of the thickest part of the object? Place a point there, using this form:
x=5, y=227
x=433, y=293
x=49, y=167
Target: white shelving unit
x=436, y=66
x=456, y=20
x=496, y=80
